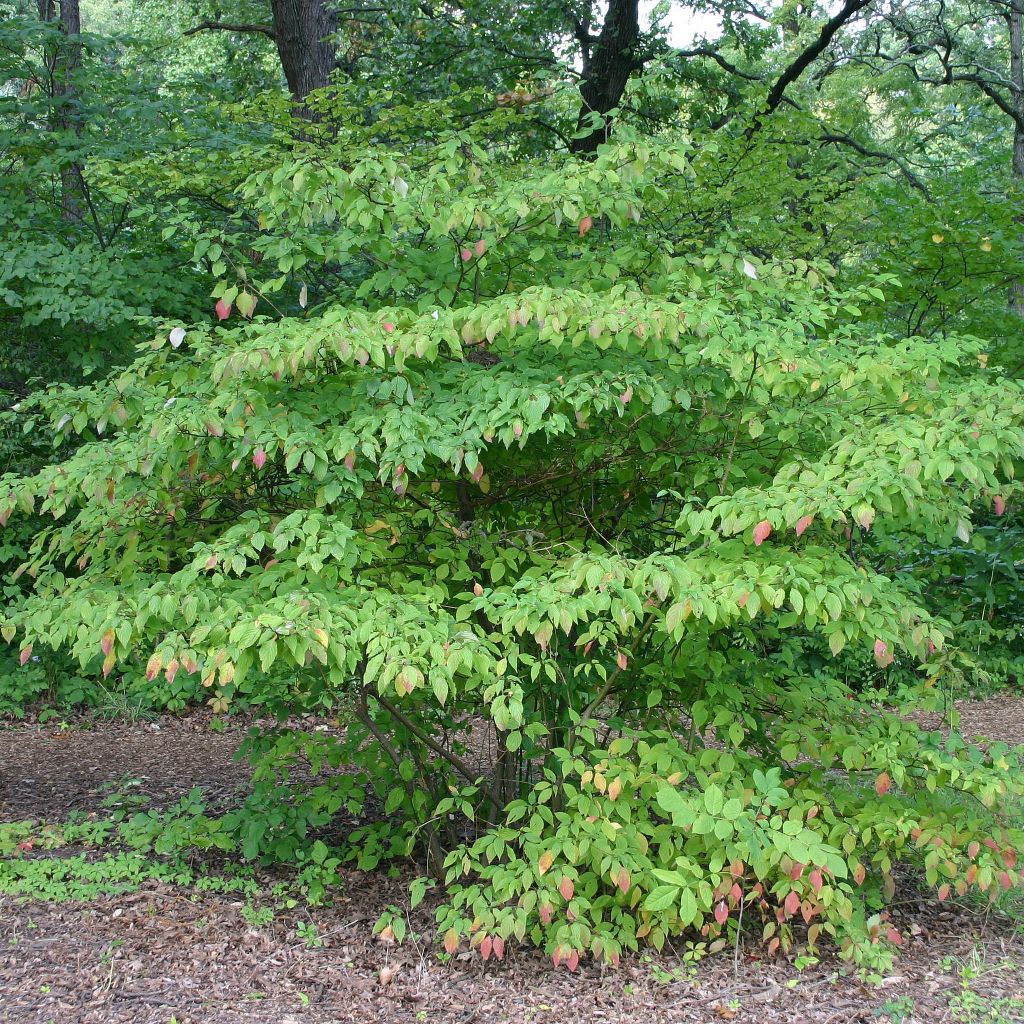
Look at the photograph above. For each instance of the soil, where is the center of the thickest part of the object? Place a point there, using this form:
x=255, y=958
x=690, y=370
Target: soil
x=164, y=953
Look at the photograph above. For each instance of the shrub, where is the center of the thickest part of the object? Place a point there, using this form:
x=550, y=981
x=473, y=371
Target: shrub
x=554, y=502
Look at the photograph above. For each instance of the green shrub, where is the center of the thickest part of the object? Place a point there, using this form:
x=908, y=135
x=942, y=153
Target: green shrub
x=552, y=501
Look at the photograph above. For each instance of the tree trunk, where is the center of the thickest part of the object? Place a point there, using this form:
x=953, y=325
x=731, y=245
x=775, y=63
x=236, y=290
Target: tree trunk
x=63, y=61
x=304, y=31
x=608, y=61
x=1016, y=19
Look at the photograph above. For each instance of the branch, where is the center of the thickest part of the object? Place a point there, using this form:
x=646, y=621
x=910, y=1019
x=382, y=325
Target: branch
x=224, y=26
x=810, y=54
x=877, y=154
x=706, y=51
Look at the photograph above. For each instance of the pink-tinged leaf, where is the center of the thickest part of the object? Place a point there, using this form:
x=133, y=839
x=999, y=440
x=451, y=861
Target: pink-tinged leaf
x=623, y=880
x=943, y=893
x=466, y=255
x=223, y=309
x=556, y=957
x=478, y=590
x=176, y=337
x=107, y=643
x=622, y=660
x=761, y=532
x=545, y=912
x=883, y=784
x=172, y=670
x=566, y=888
x=5, y=514
x=816, y=880
x=792, y=903
x=1005, y=880
x=859, y=874
x=627, y=396
x=517, y=429
x=478, y=473
x=485, y=947
x=744, y=598
x=544, y=862
x=796, y=872
x=721, y=913
x=802, y=523
x=894, y=937
x=400, y=485
x=350, y=461
x=451, y=940
x=572, y=961
x=480, y=248
x=999, y=504
x=214, y=429
x=614, y=789
x=866, y=516
x=153, y=667
x=973, y=850
x=586, y=223
x=26, y=653
x=388, y=326
x=498, y=947
x=883, y=656
x=362, y=356
x=259, y=458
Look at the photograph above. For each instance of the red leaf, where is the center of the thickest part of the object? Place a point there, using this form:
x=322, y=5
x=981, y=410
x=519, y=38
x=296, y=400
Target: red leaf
x=973, y=850
x=816, y=880
x=498, y=947
x=478, y=473
x=26, y=653
x=943, y=892
x=480, y=248
x=259, y=458
x=388, y=326
x=566, y=887
x=761, y=532
x=485, y=948
x=858, y=874
x=796, y=872
x=623, y=879
x=466, y=255
x=721, y=913
x=107, y=643
x=153, y=667
x=882, y=784
x=999, y=504
x=545, y=913
x=802, y=523
x=223, y=310
x=1005, y=880
x=792, y=903
x=171, y=670
x=883, y=656
x=586, y=223
x=573, y=960
x=894, y=937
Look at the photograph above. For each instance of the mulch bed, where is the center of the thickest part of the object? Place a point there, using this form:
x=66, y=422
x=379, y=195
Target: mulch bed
x=162, y=952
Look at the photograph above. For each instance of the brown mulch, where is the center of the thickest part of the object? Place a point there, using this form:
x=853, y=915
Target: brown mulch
x=164, y=953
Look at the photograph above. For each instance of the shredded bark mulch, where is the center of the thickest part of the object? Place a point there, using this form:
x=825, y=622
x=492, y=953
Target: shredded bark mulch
x=164, y=953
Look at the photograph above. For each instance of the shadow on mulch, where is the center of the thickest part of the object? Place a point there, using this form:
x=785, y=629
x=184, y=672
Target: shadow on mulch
x=163, y=953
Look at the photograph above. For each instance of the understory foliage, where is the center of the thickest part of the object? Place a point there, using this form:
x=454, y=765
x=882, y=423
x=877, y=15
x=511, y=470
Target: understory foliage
x=555, y=505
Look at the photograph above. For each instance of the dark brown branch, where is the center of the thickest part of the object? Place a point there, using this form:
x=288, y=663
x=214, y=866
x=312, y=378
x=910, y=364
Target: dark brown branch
x=809, y=55
x=224, y=26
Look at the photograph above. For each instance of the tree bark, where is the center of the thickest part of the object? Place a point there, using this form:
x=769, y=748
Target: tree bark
x=607, y=62
x=304, y=31
x=1016, y=20
x=63, y=61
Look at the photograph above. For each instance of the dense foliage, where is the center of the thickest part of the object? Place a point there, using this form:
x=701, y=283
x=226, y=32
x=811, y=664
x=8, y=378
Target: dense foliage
x=591, y=490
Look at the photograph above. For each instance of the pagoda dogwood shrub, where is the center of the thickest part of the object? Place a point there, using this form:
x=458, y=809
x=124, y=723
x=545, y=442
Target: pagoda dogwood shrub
x=550, y=499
